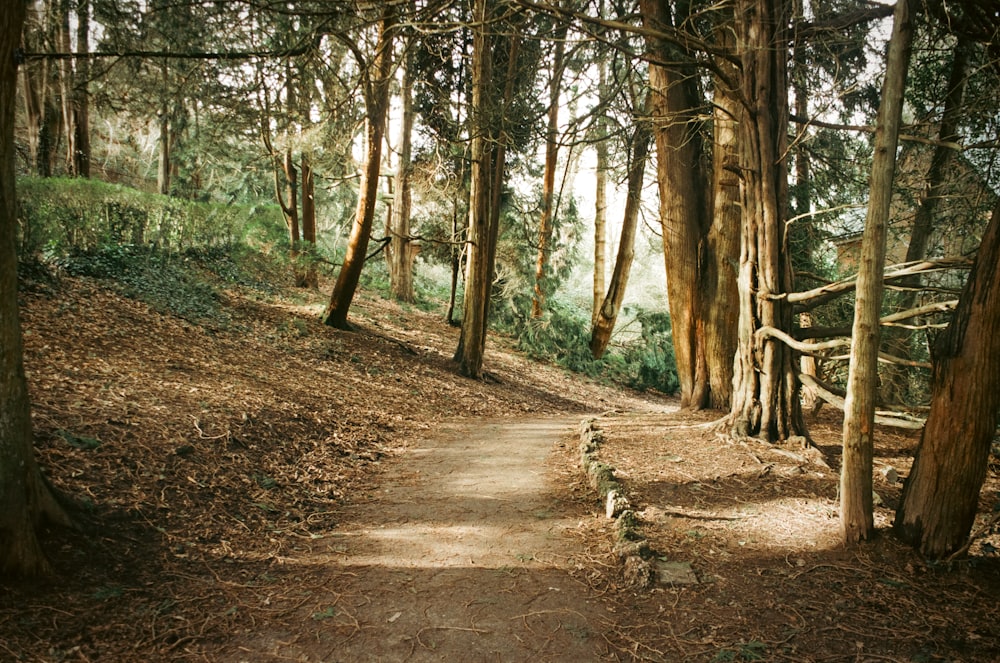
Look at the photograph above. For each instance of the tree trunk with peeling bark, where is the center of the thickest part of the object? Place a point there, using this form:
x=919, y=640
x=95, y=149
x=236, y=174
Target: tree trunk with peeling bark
x=720, y=301
x=941, y=495
x=683, y=187
x=765, y=390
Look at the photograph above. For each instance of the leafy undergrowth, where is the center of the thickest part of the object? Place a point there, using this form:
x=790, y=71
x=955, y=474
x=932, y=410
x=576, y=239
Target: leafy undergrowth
x=206, y=449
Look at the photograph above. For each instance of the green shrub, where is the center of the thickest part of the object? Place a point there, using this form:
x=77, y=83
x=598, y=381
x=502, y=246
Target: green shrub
x=562, y=336
x=650, y=357
x=59, y=216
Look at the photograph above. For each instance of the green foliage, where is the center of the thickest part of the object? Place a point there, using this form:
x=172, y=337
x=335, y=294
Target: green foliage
x=562, y=336
x=750, y=651
x=650, y=358
x=165, y=281
x=185, y=284
x=79, y=442
x=62, y=216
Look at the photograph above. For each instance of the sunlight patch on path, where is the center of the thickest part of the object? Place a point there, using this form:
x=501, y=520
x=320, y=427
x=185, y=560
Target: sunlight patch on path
x=474, y=496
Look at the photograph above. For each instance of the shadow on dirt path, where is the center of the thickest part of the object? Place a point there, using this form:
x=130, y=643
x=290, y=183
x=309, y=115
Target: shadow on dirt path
x=464, y=555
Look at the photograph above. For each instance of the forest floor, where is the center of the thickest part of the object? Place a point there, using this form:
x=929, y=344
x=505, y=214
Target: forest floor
x=254, y=486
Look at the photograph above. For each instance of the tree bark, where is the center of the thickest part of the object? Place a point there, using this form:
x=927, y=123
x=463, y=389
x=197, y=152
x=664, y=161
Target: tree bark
x=765, y=391
x=856, y=518
x=81, y=93
x=607, y=315
x=402, y=250
x=42, y=114
x=720, y=301
x=376, y=93
x=940, y=497
x=27, y=500
x=682, y=180
x=67, y=92
x=487, y=118
x=549, y=172
x=310, y=276
x=600, y=215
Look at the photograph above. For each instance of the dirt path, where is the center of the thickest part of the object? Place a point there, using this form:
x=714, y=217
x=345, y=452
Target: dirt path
x=464, y=555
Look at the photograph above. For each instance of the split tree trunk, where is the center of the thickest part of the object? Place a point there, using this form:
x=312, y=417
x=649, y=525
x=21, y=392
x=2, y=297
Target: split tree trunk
x=488, y=156
x=607, y=314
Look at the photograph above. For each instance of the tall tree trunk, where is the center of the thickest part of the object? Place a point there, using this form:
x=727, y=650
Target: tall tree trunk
x=308, y=247
x=607, y=315
x=34, y=76
x=25, y=496
x=488, y=156
x=940, y=497
x=41, y=94
x=682, y=180
x=163, y=169
x=720, y=301
x=67, y=92
x=458, y=249
x=856, y=519
x=81, y=93
x=601, y=194
x=376, y=93
x=802, y=194
x=765, y=390
x=478, y=271
x=549, y=172
x=600, y=227
x=402, y=250
x=290, y=208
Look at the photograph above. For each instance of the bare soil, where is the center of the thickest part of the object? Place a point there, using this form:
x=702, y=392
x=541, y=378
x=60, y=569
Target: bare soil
x=258, y=487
